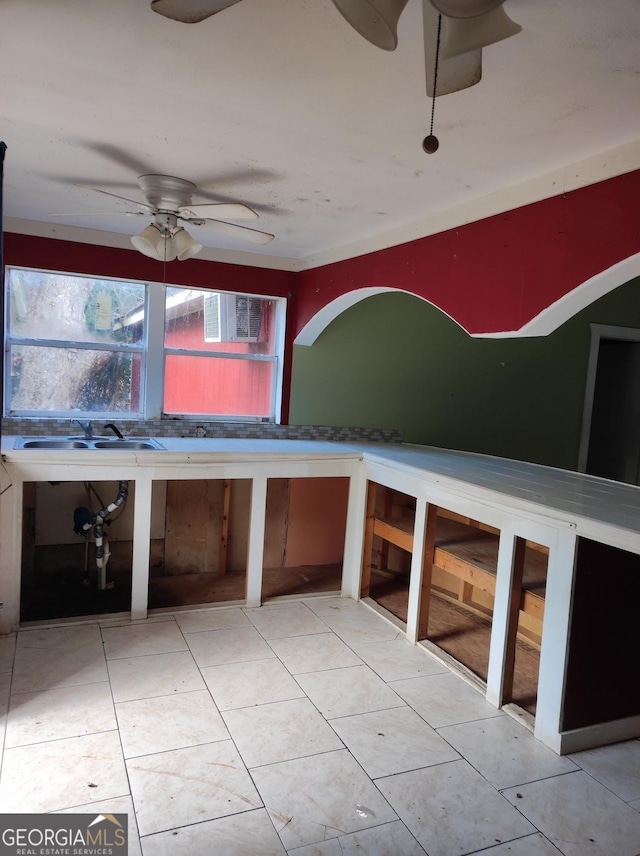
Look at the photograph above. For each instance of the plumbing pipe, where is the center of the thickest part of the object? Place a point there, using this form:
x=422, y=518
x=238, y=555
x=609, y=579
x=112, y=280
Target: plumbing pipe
x=102, y=552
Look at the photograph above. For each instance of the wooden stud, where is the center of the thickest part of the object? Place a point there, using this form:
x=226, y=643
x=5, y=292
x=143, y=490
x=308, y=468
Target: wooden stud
x=224, y=534
x=387, y=511
x=395, y=530
x=367, y=552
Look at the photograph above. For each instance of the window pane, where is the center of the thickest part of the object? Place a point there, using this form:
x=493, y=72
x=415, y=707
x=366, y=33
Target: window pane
x=198, y=320
x=79, y=379
x=74, y=309
x=217, y=386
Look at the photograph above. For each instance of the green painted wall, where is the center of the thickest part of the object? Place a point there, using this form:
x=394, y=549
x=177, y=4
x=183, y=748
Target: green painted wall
x=394, y=361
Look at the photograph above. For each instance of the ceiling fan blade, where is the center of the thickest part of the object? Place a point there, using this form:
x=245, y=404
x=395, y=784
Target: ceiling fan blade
x=119, y=156
x=115, y=196
x=98, y=214
x=455, y=74
x=235, y=176
x=465, y=8
x=190, y=11
x=218, y=197
x=226, y=210
x=242, y=232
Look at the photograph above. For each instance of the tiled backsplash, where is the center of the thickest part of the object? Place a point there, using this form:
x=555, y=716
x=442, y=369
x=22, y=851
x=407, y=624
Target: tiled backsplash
x=187, y=428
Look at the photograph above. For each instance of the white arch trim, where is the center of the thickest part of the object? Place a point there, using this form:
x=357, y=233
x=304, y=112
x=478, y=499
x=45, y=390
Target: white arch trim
x=545, y=322
x=321, y=320
x=575, y=301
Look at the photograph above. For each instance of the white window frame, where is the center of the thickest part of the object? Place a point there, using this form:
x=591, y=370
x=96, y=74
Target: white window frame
x=277, y=358
x=152, y=355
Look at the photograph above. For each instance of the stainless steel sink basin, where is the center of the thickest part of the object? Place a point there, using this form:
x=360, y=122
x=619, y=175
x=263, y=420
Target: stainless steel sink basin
x=123, y=445
x=53, y=444
x=102, y=443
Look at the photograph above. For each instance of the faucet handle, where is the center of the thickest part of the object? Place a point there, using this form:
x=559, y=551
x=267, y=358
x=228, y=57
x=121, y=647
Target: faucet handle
x=87, y=427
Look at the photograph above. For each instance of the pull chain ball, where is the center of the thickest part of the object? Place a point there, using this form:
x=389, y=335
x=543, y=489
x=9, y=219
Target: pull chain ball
x=430, y=144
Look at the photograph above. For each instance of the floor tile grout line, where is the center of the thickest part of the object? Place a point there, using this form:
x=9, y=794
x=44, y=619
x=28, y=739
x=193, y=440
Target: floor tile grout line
x=57, y=687
x=228, y=738
x=375, y=710
x=147, y=654
x=510, y=841
x=66, y=737
x=202, y=822
x=3, y=742
x=164, y=695
x=124, y=760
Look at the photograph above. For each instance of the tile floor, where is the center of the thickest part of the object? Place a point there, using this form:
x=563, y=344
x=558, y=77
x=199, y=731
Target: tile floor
x=310, y=728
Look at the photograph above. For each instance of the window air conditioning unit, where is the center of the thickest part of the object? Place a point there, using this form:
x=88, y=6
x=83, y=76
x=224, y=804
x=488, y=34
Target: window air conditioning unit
x=232, y=318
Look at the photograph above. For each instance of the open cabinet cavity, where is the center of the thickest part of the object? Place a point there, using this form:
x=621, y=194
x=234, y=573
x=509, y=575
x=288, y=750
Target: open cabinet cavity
x=306, y=520
x=75, y=562
x=458, y=587
x=205, y=551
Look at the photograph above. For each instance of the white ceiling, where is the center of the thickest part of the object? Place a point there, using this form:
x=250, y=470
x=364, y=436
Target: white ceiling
x=280, y=104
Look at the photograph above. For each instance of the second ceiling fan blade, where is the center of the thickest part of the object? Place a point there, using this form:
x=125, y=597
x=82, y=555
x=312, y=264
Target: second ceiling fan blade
x=116, y=196
x=218, y=210
x=190, y=11
x=242, y=232
x=99, y=214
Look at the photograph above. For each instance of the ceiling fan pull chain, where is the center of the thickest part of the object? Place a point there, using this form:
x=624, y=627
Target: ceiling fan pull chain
x=430, y=144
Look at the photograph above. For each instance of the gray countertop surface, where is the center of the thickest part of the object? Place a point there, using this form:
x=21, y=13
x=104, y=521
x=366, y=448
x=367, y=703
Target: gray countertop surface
x=569, y=498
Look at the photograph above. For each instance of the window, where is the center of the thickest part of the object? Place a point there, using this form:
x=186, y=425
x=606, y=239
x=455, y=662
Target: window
x=221, y=354
x=107, y=347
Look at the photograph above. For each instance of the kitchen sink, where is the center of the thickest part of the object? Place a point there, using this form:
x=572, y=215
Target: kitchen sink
x=51, y=444
x=128, y=444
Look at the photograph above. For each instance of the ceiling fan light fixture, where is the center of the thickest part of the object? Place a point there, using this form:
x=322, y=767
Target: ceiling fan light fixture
x=375, y=20
x=184, y=245
x=167, y=251
x=150, y=242
x=164, y=244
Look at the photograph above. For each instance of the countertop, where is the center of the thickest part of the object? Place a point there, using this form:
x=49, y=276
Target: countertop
x=589, y=504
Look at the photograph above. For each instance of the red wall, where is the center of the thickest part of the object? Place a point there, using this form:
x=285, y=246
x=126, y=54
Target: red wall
x=491, y=275
x=498, y=273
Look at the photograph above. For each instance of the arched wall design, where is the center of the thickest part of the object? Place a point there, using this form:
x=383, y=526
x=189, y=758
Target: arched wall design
x=500, y=275
x=321, y=320
x=544, y=323
x=398, y=362
x=566, y=307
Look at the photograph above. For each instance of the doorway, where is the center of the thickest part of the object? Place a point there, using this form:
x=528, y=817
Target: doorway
x=610, y=440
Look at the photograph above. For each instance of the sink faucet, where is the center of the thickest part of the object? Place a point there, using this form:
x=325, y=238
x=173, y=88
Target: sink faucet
x=87, y=428
x=115, y=430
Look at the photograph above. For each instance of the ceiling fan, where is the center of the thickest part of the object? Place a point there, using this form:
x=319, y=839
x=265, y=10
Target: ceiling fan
x=168, y=199
x=468, y=26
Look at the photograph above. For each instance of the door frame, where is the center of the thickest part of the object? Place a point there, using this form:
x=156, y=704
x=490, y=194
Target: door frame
x=598, y=332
